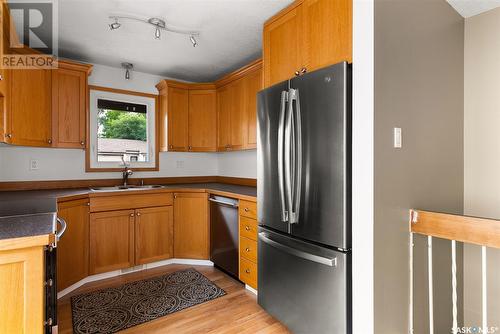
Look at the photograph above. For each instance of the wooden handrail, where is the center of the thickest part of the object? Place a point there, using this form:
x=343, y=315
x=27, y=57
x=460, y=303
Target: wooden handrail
x=479, y=231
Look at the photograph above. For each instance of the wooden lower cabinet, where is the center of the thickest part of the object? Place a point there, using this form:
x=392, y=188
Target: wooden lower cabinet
x=248, y=243
x=111, y=241
x=73, y=247
x=154, y=234
x=191, y=227
x=22, y=290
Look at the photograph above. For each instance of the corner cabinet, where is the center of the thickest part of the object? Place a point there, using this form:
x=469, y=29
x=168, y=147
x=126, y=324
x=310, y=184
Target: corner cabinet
x=209, y=117
x=187, y=118
x=307, y=35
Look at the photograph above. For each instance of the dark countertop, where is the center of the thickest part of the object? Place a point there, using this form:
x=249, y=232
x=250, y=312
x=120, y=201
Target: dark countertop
x=27, y=225
x=33, y=212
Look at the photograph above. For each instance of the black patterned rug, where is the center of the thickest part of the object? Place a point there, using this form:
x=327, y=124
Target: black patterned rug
x=115, y=309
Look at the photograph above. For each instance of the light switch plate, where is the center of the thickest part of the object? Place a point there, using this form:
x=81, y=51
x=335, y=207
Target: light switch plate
x=180, y=163
x=398, y=140
x=34, y=164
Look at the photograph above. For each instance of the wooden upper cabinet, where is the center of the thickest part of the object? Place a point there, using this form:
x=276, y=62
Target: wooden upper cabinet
x=191, y=228
x=177, y=118
x=69, y=100
x=253, y=84
x=202, y=120
x=224, y=103
x=307, y=35
x=73, y=248
x=237, y=115
x=327, y=32
x=30, y=112
x=283, y=45
x=154, y=239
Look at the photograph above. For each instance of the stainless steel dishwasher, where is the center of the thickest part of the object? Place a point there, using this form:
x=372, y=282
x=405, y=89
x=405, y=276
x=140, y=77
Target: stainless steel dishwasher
x=224, y=233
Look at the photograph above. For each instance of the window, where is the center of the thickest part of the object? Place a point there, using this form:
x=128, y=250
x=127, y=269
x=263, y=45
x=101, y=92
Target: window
x=122, y=129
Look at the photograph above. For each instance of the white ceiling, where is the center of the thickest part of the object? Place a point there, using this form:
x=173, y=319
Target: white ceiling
x=468, y=8
x=230, y=34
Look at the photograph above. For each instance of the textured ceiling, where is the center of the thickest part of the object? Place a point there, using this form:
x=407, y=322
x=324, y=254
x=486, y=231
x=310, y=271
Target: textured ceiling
x=468, y=8
x=230, y=34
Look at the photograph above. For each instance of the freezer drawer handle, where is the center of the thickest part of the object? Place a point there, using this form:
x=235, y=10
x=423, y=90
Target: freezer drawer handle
x=60, y=232
x=234, y=205
x=332, y=262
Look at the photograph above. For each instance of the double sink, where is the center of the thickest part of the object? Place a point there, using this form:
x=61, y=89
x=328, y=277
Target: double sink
x=128, y=187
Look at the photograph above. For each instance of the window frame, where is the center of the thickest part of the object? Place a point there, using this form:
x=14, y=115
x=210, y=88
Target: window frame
x=92, y=165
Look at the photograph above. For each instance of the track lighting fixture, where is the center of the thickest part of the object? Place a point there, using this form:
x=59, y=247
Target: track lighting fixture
x=127, y=67
x=158, y=24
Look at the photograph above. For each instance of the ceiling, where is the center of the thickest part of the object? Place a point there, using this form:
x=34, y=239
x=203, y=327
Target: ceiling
x=230, y=35
x=468, y=8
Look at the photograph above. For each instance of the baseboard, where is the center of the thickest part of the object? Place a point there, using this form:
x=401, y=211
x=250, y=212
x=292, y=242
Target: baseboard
x=249, y=288
x=115, y=273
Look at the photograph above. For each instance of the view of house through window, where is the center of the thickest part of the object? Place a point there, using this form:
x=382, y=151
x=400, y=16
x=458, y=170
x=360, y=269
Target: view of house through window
x=122, y=132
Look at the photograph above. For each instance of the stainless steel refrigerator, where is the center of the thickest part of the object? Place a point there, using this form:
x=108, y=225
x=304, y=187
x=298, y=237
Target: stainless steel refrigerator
x=304, y=201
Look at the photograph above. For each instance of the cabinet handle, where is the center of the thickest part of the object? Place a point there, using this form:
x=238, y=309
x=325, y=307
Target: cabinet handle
x=189, y=148
x=297, y=73
x=246, y=209
x=138, y=213
x=49, y=141
x=247, y=249
x=247, y=271
x=131, y=215
x=8, y=135
x=1, y=77
x=82, y=143
x=247, y=228
x=303, y=70
x=170, y=146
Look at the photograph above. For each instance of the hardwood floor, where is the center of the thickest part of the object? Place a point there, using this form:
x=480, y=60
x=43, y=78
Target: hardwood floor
x=236, y=312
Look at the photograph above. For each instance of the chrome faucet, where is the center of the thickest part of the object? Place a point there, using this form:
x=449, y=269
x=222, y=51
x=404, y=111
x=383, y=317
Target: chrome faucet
x=126, y=172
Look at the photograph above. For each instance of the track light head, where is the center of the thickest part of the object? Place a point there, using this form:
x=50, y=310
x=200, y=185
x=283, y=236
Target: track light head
x=157, y=33
x=127, y=67
x=193, y=41
x=115, y=25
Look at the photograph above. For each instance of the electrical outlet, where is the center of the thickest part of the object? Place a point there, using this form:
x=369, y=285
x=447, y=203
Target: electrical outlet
x=180, y=164
x=34, y=164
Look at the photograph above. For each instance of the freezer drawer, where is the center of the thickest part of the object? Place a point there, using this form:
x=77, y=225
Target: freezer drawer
x=304, y=286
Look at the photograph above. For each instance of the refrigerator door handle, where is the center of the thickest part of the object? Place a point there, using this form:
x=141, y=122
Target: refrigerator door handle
x=281, y=138
x=288, y=157
x=297, y=155
x=328, y=261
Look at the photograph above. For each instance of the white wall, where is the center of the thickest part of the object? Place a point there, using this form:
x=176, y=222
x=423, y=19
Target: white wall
x=482, y=155
x=69, y=164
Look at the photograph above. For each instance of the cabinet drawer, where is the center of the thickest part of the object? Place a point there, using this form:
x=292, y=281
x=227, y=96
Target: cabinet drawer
x=248, y=228
x=248, y=209
x=248, y=272
x=248, y=249
x=130, y=201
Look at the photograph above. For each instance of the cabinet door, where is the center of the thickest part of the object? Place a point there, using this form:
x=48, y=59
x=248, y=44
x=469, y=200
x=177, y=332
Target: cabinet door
x=73, y=250
x=327, y=32
x=69, y=91
x=253, y=84
x=177, y=113
x=111, y=241
x=191, y=228
x=282, y=48
x=22, y=290
x=224, y=103
x=202, y=120
x=154, y=234
x=4, y=96
x=237, y=116
x=30, y=107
